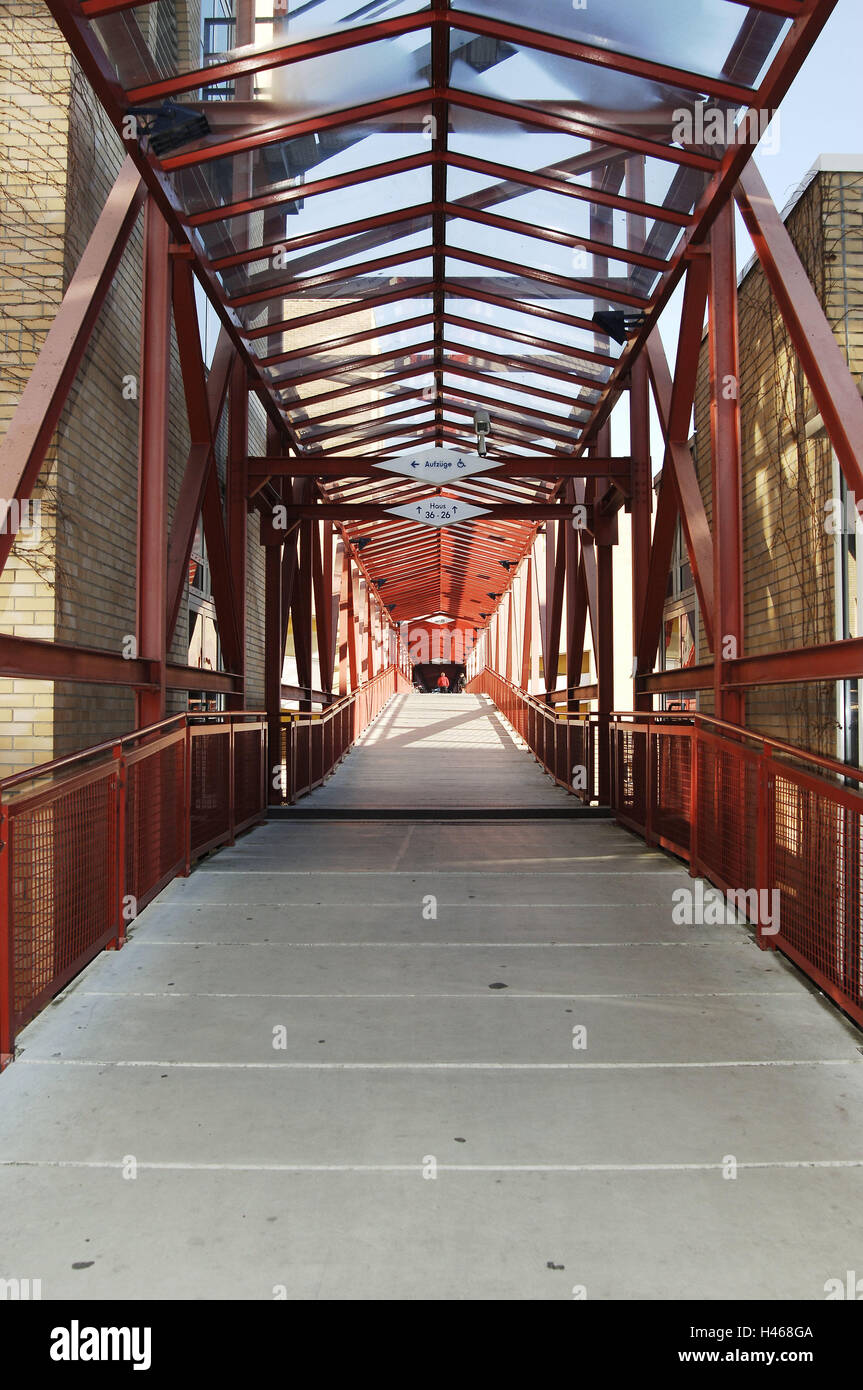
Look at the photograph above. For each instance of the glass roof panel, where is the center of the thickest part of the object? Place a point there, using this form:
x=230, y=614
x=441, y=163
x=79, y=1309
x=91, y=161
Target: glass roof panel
x=479, y=135
x=280, y=269
x=458, y=355
x=572, y=263
x=569, y=298
x=321, y=362
x=513, y=392
x=307, y=158
x=362, y=319
x=345, y=291
x=696, y=35
x=579, y=91
x=538, y=207
x=303, y=216
x=490, y=342
x=169, y=37
x=487, y=316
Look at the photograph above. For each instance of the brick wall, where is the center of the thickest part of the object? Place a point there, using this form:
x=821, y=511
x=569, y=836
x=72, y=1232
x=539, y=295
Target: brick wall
x=59, y=157
x=34, y=122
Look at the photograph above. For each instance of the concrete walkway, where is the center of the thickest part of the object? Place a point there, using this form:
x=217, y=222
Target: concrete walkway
x=300, y=1034
x=454, y=752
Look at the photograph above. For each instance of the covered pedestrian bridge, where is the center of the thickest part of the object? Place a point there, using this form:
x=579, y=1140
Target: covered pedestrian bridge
x=517, y=991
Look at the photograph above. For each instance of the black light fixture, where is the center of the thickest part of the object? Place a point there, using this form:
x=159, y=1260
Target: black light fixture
x=391, y=607
x=494, y=596
x=169, y=126
x=507, y=564
x=379, y=583
x=617, y=324
x=361, y=542
x=485, y=615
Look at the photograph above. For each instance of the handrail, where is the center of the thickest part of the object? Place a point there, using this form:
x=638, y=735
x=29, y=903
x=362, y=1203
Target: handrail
x=774, y=827
x=333, y=710
x=109, y=747
x=736, y=733
x=314, y=742
x=540, y=705
x=87, y=840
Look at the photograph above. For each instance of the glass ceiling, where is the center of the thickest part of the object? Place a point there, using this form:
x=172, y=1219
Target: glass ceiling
x=410, y=211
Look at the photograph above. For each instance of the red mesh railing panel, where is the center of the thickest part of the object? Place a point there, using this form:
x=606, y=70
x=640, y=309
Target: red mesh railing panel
x=64, y=891
x=248, y=774
x=727, y=812
x=313, y=744
x=816, y=868
x=83, y=835
x=155, y=819
x=672, y=776
x=211, y=803
x=562, y=743
x=629, y=749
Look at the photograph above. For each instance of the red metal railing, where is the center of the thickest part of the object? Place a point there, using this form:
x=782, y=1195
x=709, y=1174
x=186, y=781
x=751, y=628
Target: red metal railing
x=314, y=744
x=86, y=841
x=753, y=813
x=565, y=744
x=755, y=816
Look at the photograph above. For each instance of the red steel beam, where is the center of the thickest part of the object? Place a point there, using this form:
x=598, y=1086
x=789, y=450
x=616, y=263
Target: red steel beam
x=23, y=449
x=678, y=457
x=191, y=497
x=341, y=466
x=832, y=661
x=835, y=391
x=373, y=511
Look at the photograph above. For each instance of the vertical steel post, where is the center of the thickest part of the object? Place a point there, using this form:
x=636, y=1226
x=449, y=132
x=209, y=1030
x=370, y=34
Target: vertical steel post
x=641, y=507
x=237, y=507
x=7, y=1051
x=152, y=573
x=641, y=490
x=273, y=670
x=726, y=450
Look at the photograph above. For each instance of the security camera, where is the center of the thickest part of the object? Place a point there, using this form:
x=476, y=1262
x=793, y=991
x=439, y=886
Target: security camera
x=482, y=425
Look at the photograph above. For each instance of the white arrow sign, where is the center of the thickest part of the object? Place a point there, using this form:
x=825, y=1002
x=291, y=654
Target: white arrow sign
x=437, y=465
x=437, y=511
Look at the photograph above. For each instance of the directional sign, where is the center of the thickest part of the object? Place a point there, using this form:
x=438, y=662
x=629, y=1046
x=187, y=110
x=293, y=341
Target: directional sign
x=437, y=511
x=437, y=465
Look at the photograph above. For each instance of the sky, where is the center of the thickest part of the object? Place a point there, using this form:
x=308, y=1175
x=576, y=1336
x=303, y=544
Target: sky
x=822, y=111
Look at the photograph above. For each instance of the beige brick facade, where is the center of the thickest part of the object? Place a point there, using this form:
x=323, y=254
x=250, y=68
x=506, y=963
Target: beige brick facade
x=59, y=157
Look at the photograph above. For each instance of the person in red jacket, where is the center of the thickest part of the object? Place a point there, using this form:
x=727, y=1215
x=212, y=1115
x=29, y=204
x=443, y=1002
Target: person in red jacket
x=443, y=682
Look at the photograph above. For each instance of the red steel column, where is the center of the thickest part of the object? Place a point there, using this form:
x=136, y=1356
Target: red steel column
x=642, y=497
x=152, y=578
x=725, y=439
x=237, y=505
x=639, y=441
x=606, y=534
x=273, y=666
